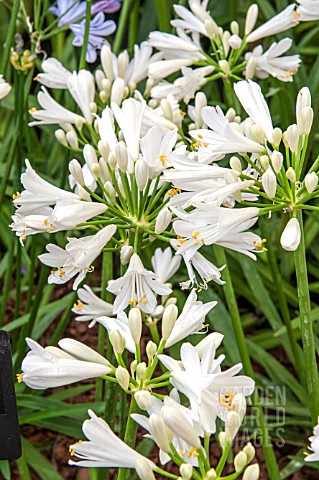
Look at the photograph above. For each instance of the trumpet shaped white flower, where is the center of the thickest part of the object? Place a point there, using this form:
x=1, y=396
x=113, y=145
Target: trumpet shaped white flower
x=308, y=10
x=5, y=87
x=54, y=367
x=137, y=287
x=156, y=147
x=284, y=20
x=120, y=324
x=314, y=445
x=77, y=257
x=89, y=306
x=82, y=88
x=191, y=320
x=54, y=75
x=104, y=448
x=193, y=20
x=165, y=264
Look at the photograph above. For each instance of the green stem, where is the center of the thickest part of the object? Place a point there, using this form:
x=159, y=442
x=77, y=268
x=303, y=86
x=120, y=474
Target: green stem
x=223, y=459
x=122, y=25
x=82, y=63
x=231, y=301
x=163, y=15
x=129, y=437
x=306, y=323
x=10, y=35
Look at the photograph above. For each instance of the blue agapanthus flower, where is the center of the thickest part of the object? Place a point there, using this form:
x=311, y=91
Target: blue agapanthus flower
x=78, y=9
x=99, y=29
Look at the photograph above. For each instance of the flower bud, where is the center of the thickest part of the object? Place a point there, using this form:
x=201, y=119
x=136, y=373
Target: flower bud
x=104, y=149
x=96, y=170
x=89, y=156
x=251, y=68
x=231, y=176
x=232, y=424
x=104, y=173
x=167, y=109
x=186, y=471
x=234, y=28
x=211, y=474
x=276, y=160
x=123, y=377
x=72, y=139
x=249, y=451
x=143, y=399
x=291, y=174
x=240, y=461
x=235, y=42
x=99, y=76
x=168, y=321
x=200, y=103
x=231, y=114
x=117, y=91
x=151, y=349
x=141, y=173
x=107, y=62
x=117, y=342
x=292, y=137
x=122, y=62
x=103, y=96
x=276, y=136
x=141, y=370
x=76, y=171
x=222, y=438
x=225, y=40
x=121, y=156
x=61, y=137
x=163, y=220
x=112, y=160
x=290, y=237
x=126, y=253
x=110, y=190
x=252, y=472
x=251, y=18
x=210, y=27
x=135, y=324
x=93, y=107
x=180, y=425
x=133, y=367
x=235, y=164
x=144, y=470
x=306, y=119
x=258, y=133
x=224, y=66
x=303, y=100
x=106, y=85
x=264, y=161
x=160, y=433
x=311, y=181
x=82, y=351
x=269, y=182
x=121, y=188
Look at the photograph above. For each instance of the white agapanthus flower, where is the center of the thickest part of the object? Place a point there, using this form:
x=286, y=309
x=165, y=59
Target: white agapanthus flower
x=156, y=147
x=308, y=10
x=54, y=75
x=121, y=324
x=165, y=264
x=137, y=287
x=290, y=237
x=271, y=62
x=5, y=87
x=314, y=445
x=54, y=367
x=104, y=448
x=77, y=257
x=196, y=19
x=281, y=22
x=191, y=320
x=89, y=306
x=82, y=88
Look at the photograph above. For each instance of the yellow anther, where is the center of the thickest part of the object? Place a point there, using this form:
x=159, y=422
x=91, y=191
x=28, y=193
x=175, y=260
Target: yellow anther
x=205, y=145
x=36, y=78
x=192, y=452
x=197, y=144
x=200, y=136
x=162, y=159
x=78, y=306
x=61, y=272
x=173, y=191
x=182, y=113
x=45, y=221
x=16, y=195
x=48, y=230
x=19, y=377
x=182, y=453
x=196, y=243
x=32, y=110
x=297, y=15
x=227, y=400
x=178, y=244
x=132, y=302
x=143, y=299
x=202, y=241
x=290, y=73
x=90, y=269
x=52, y=272
x=195, y=234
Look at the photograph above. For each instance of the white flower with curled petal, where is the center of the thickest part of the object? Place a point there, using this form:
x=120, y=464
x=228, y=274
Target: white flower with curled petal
x=272, y=63
x=89, y=306
x=54, y=367
x=137, y=287
x=104, y=448
x=77, y=257
x=54, y=75
x=284, y=20
x=308, y=10
x=156, y=147
x=314, y=445
x=5, y=87
x=165, y=264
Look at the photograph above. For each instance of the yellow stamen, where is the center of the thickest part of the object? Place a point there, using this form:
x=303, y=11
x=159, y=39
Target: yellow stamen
x=227, y=400
x=19, y=377
x=173, y=191
x=16, y=195
x=297, y=15
x=32, y=110
x=78, y=306
x=36, y=78
x=182, y=453
x=200, y=136
x=132, y=302
x=197, y=144
x=195, y=234
x=90, y=269
x=162, y=159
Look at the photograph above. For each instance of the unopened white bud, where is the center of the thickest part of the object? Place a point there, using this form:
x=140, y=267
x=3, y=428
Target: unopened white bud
x=122, y=62
x=276, y=160
x=93, y=107
x=126, y=253
x=222, y=438
x=143, y=399
x=96, y=170
x=269, y=182
x=251, y=68
x=235, y=42
x=264, y=161
x=76, y=171
x=151, y=349
x=107, y=62
x=291, y=174
x=103, y=96
x=123, y=377
x=79, y=123
x=231, y=176
x=141, y=370
x=117, y=91
x=160, y=433
x=234, y=27
x=106, y=85
x=240, y=461
x=117, y=342
x=89, y=156
x=120, y=187
x=211, y=27
x=311, y=181
x=249, y=451
x=72, y=139
x=163, y=220
x=110, y=190
x=104, y=149
x=150, y=82
x=290, y=237
x=200, y=103
x=83, y=194
x=81, y=351
x=112, y=161
x=258, y=133
x=168, y=321
x=231, y=114
x=293, y=137
x=224, y=66
x=135, y=324
x=167, y=109
x=303, y=100
x=252, y=472
x=306, y=119
x=99, y=76
x=232, y=425
x=61, y=137
x=141, y=173
x=121, y=155
x=133, y=367
x=186, y=471
x=225, y=39
x=235, y=164
x=144, y=470
x=104, y=174
x=211, y=474
x=251, y=18
x=179, y=425
x=284, y=139
x=276, y=136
